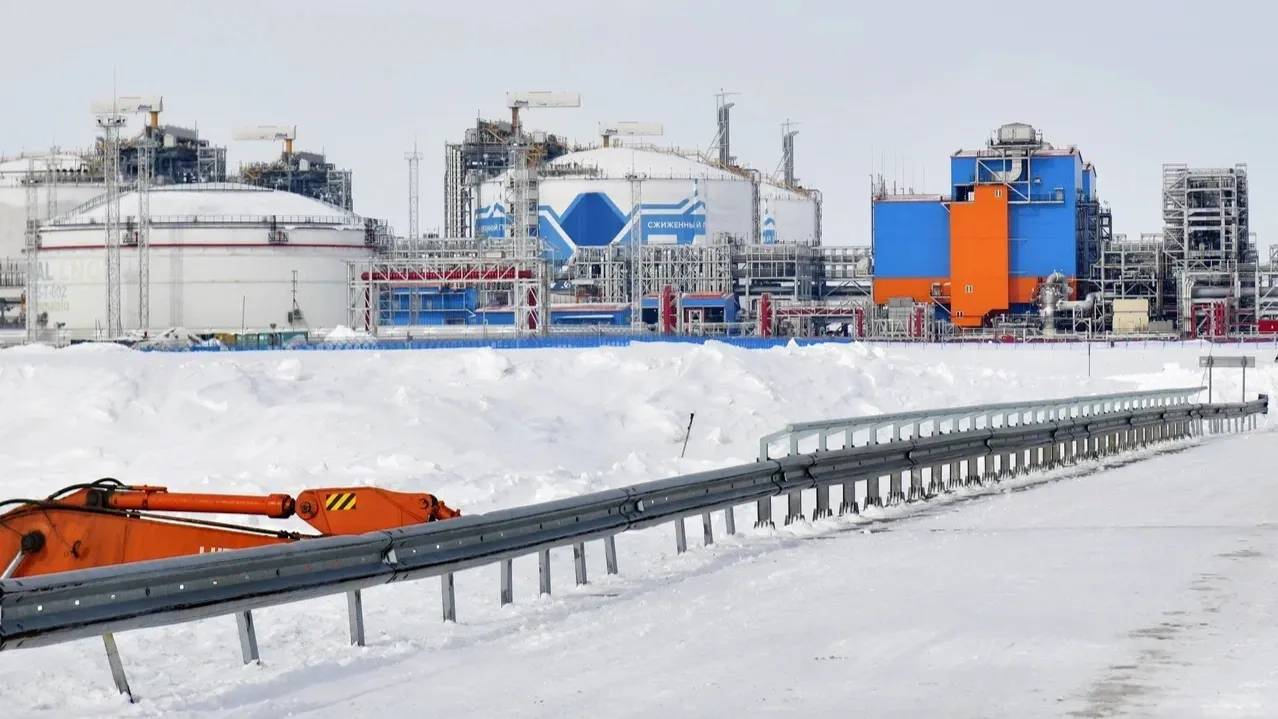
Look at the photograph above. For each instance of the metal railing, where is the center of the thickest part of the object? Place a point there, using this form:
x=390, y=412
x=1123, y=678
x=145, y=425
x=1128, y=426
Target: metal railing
x=284, y=221
x=928, y=422
x=62, y=607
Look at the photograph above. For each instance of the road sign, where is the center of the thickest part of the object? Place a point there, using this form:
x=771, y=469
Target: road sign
x=1227, y=361
x=1236, y=361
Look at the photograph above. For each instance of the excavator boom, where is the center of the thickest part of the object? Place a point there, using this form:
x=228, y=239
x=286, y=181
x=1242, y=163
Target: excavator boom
x=107, y=523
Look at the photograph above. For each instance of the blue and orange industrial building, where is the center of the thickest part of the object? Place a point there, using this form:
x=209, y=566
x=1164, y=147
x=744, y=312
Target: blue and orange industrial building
x=1017, y=211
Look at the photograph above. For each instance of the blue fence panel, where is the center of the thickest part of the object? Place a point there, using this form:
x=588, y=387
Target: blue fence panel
x=512, y=343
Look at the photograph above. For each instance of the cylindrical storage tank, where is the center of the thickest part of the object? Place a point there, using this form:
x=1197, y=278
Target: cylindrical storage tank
x=585, y=200
x=74, y=186
x=222, y=259
x=788, y=216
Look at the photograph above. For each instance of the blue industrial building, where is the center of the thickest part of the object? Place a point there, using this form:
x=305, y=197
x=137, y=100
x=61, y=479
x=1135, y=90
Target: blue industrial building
x=1016, y=212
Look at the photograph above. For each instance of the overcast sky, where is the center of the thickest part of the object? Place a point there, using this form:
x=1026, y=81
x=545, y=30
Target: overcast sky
x=1133, y=83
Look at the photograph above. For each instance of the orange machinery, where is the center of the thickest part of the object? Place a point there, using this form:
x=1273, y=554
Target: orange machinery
x=107, y=522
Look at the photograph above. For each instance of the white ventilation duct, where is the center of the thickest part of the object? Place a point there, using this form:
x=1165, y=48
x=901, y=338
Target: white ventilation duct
x=1007, y=177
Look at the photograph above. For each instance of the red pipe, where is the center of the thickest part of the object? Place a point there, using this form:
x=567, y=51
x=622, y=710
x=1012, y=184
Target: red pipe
x=669, y=312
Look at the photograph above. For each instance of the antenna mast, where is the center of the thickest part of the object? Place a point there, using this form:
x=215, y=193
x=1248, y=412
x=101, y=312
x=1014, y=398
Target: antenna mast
x=414, y=195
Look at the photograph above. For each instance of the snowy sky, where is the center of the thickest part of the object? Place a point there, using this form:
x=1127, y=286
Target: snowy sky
x=894, y=86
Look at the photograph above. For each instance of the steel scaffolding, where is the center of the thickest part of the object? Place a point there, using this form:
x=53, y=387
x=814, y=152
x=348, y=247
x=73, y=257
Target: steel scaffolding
x=788, y=271
x=600, y=274
x=1130, y=269
x=32, y=291
x=496, y=269
x=111, y=125
x=699, y=269
x=846, y=273
x=1206, y=241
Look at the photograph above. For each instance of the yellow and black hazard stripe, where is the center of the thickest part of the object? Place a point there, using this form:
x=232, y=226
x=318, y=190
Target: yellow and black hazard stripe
x=340, y=501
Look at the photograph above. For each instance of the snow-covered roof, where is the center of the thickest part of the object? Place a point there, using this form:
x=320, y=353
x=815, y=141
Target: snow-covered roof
x=620, y=161
x=216, y=200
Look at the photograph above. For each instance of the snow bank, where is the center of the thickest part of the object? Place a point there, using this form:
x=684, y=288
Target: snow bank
x=483, y=429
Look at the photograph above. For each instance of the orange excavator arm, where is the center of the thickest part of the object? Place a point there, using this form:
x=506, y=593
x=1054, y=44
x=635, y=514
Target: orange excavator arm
x=107, y=522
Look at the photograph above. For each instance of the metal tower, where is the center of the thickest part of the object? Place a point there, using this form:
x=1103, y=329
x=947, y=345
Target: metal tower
x=111, y=124
x=32, y=288
x=722, y=136
x=636, y=250
x=146, y=170
x=786, y=168
x=414, y=195
x=523, y=214
x=51, y=184
x=457, y=206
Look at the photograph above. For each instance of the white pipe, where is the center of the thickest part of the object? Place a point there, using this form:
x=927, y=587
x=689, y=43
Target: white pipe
x=1085, y=305
x=1209, y=292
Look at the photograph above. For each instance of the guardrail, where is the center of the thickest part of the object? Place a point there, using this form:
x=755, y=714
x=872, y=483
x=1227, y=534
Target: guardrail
x=877, y=429
x=63, y=607
x=930, y=421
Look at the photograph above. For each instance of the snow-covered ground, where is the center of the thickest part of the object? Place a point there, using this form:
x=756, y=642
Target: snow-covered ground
x=1025, y=604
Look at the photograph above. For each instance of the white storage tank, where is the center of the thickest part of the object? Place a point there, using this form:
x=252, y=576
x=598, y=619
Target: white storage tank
x=74, y=187
x=585, y=200
x=789, y=216
x=223, y=257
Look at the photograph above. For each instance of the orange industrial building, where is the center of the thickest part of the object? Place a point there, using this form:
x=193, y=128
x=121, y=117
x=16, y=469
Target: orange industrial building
x=1018, y=211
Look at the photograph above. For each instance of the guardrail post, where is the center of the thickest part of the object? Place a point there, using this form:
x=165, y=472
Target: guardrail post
x=936, y=481
x=730, y=520
x=763, y=510
x=894, y=493
x=794, y=506
x=822, y=502
x=707, y=529
x=355, y=616
x=579, y=562
x=507, y=571
x=610, y=552
x=248, y=637
x=543, y=570
x=794, y=498
x=117, y=666
x=681, y=536
x=873, y=493
x=448, y=591
x=916, y=484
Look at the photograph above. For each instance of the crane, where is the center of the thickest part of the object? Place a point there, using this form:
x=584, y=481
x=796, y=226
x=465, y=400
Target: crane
x=609, y=130
x=287, y=133
x=132, y=105
x=517, y=101
x=107, y=522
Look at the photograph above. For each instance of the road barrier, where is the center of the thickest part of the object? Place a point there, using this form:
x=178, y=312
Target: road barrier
x=964, y=447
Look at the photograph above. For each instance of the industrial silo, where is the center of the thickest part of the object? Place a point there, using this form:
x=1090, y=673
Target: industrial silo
x=587, y=199
x=222, y=257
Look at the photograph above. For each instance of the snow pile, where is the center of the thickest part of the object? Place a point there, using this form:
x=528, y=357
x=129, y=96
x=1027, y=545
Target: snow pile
x=172, y=338
x=342, y=333
x=482, y=429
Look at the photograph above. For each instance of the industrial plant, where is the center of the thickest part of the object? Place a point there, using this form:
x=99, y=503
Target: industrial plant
x=621, y=234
